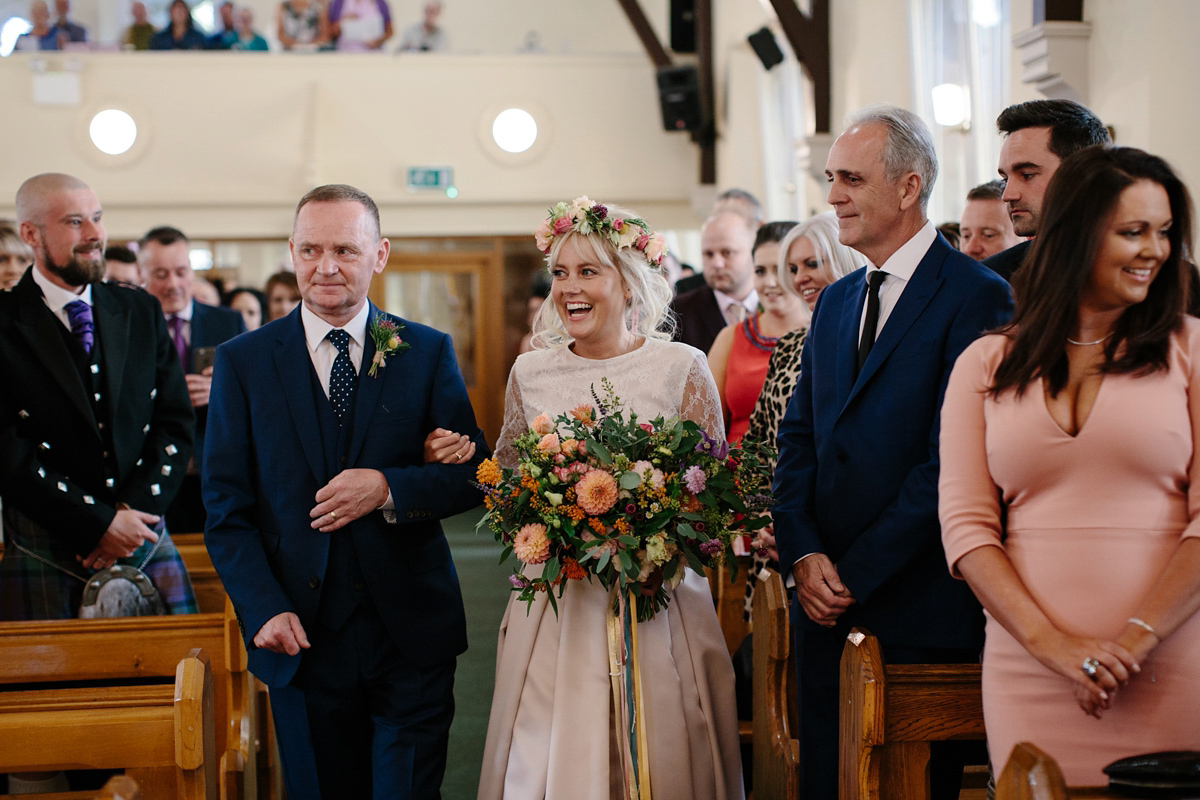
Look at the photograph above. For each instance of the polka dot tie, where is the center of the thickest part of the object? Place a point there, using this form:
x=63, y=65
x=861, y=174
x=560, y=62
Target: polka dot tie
x=343, y=378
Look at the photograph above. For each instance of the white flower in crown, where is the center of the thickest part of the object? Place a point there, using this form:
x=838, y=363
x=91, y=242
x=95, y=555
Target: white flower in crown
x=579, y=206
x=627, y=233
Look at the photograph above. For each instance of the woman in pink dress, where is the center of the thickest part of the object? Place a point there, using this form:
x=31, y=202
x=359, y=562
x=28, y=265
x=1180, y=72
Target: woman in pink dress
x=741, y=353
x=1070, y=495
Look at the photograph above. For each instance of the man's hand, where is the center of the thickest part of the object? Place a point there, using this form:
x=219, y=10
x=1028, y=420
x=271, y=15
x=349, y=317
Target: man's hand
x=125, y=534
x=353, y=493
x=282, y=633
x=199, y=387
x=447, y=447
x=822, y=594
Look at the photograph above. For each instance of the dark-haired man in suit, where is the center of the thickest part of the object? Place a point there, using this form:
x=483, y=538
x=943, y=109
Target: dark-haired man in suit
x=95, y=423
x=164, y=258
x=1038, y=135
x=323, y=516
x=856, y=522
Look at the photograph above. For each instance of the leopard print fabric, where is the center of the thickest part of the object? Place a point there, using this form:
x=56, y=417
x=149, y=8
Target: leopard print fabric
x=782, y=374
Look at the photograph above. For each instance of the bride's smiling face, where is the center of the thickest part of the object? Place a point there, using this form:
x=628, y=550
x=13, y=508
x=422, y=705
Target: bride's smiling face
x=589, y=296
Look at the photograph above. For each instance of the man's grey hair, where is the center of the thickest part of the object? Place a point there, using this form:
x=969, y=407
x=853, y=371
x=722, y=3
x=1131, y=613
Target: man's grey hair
x=341, y=193
x=909, y=148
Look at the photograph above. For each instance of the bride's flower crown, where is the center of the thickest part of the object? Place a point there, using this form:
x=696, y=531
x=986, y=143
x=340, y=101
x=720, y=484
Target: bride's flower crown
x=584, y=216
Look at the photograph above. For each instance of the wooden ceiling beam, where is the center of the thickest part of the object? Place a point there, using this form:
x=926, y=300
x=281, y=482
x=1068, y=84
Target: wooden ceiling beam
x=641, y=26
x=809, y=38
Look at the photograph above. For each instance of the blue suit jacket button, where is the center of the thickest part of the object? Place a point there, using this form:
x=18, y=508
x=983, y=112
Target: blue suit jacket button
x=314, y=582
x=841, y=458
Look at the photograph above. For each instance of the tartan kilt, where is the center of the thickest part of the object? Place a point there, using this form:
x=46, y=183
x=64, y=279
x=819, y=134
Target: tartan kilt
x=31, y=589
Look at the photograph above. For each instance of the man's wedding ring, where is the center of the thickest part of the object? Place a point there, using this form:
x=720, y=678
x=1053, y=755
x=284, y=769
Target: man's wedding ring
x=1090, y=666
x=333, y=515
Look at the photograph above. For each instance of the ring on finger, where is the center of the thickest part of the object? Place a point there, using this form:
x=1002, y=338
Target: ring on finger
x=1090, y=666
x=333, y=515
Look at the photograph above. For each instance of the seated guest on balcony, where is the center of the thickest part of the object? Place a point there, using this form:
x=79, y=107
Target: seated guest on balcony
x=283, y=294
x=196, y=329
x=986, y=227
x=42, y=36
x=97, y=431
x=181, y=32
x=138, y=35
x=359, y=25
x=1070, y=488
x=120, y=266
x=244, y=37
x=302, y=26
x=66, y=30
x=250, y=304
x=739, y=355
x=224, y=37
x=15, y=255
x=425, y=36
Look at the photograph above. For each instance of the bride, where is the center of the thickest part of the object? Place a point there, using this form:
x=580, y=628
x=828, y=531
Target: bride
x=551, y=729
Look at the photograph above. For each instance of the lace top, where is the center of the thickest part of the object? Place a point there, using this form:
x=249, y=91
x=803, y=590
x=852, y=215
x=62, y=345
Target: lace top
x=659, y=378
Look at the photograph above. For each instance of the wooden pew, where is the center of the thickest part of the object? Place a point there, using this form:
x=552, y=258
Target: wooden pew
x=162, y=735
x=1031, y=774
x=210, y=592
x=109, y=650
x=889, y=716
x=776, y=752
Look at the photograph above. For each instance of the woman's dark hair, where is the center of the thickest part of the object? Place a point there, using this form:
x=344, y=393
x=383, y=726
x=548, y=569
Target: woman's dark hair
x=285, y=279
x=255, y=293
x=1080, y=201
x=772, y=232
x=191, y=22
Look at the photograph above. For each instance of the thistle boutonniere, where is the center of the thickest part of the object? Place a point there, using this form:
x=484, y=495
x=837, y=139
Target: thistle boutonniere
x=385, y=332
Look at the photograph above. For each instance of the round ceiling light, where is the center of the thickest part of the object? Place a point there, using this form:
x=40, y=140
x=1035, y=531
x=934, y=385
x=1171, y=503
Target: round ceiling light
x=514, y=130
x=113, y=131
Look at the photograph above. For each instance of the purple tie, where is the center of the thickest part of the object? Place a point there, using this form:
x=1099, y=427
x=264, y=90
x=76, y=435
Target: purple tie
x=79, y=317
x=176, y=326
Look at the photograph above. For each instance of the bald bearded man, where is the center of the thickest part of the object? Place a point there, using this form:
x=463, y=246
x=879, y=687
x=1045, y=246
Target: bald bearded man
x=95, y=436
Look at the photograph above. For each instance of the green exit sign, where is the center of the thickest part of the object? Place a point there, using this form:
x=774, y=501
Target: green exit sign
x=436, y=178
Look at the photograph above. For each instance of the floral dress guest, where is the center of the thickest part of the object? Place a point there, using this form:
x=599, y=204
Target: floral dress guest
x=1069, y=494
x=302, y=26
x=360, y=25
x=551, y=733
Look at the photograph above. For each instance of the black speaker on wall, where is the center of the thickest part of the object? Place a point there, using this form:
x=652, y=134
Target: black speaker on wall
x=765, y=47
x=679, y=95
x=683, y=26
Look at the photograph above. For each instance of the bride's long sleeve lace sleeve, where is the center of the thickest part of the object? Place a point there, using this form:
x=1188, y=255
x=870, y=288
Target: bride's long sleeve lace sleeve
x=515, y=423
x=701, y=402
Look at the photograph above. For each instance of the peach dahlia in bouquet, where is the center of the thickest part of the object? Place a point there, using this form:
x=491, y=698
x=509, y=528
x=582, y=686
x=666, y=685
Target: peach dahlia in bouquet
x=598, y=494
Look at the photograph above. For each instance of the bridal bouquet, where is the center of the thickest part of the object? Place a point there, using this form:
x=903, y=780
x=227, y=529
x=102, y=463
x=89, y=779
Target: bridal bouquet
x=600, y=494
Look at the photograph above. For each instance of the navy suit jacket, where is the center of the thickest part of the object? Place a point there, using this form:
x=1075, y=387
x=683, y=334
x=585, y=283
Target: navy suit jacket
x=858, y=464
x=211, y=326
x=1005, y=262
x=699, y=318
x=266, y=462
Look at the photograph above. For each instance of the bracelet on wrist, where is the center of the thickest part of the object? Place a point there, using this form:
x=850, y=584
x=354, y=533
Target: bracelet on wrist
x=1141, y=623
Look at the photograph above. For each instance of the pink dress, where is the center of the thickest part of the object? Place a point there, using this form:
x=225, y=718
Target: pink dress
x=1092, y=521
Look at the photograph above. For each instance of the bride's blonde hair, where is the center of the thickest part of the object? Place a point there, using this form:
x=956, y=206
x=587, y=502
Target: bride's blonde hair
x=646, y=310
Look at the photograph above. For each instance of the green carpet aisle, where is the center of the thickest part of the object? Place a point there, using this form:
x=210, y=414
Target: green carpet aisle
x=485, y=590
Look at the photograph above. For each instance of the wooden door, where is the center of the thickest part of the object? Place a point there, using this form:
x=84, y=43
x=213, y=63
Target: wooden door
x=459, y=292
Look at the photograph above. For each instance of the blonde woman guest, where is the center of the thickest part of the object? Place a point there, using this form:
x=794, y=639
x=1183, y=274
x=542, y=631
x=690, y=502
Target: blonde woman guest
x=810, y=258
x=740, y=353
x=1069, y=493
x=551, y=729
x=15, y=255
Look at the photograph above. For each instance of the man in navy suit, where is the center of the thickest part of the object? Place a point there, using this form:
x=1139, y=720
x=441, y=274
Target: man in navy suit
x=323, y=516
x=164, y=259
x=856, y=521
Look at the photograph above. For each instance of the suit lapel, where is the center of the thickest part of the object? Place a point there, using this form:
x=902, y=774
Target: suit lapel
x=925, y=282
x=294, y=366
x=36, y=324
x=847, y=340
x=369, y=388
x=112, y=325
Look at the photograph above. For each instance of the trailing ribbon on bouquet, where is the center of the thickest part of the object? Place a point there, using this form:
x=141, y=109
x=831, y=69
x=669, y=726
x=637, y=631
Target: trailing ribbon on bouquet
x=629, y=707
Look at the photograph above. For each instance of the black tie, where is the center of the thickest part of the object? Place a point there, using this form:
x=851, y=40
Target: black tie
x=871, y=320
x=342, y=378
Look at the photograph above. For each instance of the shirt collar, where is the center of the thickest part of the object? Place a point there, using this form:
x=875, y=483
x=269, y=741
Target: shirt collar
x=57, y=297
x=903, y=263
x=749, y=302
x=316, y=329
x=185, y=314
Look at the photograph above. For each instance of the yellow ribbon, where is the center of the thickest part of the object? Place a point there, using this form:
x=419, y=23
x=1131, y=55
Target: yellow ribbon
x=616, y=672
x=639, y=703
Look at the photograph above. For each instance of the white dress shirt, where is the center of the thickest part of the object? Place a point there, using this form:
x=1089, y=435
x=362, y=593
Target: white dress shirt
x=184, y=314
x=898, y=271
x=57, y=298
x=322, y=352
x=749, y=302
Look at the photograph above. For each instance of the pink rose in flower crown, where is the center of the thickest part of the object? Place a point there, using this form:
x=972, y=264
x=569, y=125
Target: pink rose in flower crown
x=562, y=225
x=550, y=444
x=642, y=241
x=543, y=237
x=531, y=544
x=656, y=248
x=543, y=424
x=618, y=224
